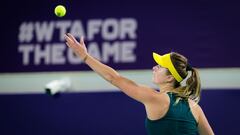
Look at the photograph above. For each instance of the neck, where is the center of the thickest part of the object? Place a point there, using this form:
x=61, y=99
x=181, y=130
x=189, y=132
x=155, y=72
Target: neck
x=166, y=88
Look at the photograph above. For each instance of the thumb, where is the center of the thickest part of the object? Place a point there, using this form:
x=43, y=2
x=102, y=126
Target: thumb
x=82, y=43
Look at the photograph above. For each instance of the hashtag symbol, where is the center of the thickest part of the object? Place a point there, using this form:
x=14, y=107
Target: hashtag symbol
x=25, y=32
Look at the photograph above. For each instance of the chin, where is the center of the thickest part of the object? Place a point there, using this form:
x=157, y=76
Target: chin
x=153, y=81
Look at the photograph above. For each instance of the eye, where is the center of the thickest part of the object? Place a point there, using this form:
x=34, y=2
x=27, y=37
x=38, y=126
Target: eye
x=158, y=66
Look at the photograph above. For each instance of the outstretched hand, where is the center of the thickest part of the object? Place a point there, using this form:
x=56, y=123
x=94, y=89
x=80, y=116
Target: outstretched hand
x=78, y=47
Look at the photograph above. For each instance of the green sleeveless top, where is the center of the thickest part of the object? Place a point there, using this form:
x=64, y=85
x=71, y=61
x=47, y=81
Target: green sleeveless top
x=179, y=120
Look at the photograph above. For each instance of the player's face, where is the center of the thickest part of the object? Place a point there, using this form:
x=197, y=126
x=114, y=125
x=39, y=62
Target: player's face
x=159, y=74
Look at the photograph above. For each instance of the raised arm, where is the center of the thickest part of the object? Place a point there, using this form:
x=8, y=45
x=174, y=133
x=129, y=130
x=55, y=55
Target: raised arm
x=138, y=92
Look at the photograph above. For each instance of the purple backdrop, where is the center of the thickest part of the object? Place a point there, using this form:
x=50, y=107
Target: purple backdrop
x=204, y=31
x=101, y=113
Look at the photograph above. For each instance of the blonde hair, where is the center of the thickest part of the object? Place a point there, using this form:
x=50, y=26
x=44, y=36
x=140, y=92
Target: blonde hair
x=192, y=89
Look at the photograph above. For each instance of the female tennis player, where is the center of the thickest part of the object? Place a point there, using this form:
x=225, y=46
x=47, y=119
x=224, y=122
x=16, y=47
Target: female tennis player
x=173, y=110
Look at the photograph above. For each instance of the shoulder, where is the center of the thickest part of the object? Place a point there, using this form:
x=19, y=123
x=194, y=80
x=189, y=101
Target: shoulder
x=195, y=108
x=158, y=106
x=160, y=98
x=193, y=104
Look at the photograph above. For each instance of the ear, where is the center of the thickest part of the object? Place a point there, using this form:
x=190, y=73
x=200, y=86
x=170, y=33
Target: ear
x=170, y=79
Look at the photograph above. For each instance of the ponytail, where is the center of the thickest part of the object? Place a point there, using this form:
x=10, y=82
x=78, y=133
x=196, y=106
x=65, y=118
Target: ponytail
x=191, y=90
x=193, y=85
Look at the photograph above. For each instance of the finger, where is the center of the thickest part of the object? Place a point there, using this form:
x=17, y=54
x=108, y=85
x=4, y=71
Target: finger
x=82, y=40
x=67, y=44
x=72, y=37
x=68, y=39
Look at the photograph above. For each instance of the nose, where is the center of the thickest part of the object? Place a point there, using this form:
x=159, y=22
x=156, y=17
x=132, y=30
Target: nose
x=154, y=68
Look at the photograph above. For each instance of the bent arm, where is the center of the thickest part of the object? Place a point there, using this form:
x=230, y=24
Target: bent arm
x=203, y=126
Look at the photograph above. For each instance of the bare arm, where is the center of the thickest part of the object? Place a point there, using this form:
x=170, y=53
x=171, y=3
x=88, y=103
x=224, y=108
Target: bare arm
x=140, y=93
x=203, y=126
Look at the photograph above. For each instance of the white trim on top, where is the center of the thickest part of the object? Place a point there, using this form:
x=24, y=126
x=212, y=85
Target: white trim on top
x=89, y=81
